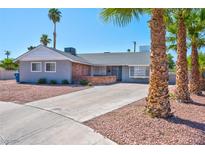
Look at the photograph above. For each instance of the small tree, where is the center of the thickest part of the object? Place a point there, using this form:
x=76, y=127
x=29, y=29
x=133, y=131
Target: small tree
x=171, y=62
x=7, y=53
x=45, y=40
x=8, y=64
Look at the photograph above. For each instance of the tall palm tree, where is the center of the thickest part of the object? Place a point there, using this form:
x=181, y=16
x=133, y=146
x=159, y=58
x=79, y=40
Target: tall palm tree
x=196, y=29
x=158, y=104
x=54, y=15
x=45, y=40
x=7, y=53
x=182, y=91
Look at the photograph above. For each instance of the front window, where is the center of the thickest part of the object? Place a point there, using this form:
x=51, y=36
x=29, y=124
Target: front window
x=50, y=67
x=137, y=71
x=99, y=70
x=36, y=67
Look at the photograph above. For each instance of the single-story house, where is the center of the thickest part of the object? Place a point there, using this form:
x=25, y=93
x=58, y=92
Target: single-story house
x=53, y=64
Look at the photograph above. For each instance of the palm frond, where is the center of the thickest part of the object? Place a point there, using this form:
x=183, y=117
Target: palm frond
x=171, y=39
x=54, y=15
x=202, y=14
x=172, y=47
x=121, y=16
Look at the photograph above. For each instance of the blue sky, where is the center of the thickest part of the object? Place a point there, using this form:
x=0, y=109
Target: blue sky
x=79, y=28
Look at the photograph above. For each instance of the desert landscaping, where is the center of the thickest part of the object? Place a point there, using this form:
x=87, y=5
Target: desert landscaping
x=10, y=91
x=130, y=124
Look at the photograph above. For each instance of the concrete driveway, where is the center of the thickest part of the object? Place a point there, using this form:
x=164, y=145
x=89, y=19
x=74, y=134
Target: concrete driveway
x=58, y=120
x=87, y=104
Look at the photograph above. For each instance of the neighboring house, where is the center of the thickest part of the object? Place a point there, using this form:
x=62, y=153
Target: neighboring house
x=52, y=64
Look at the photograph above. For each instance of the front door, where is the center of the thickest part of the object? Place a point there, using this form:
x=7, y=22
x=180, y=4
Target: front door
x=117, y=71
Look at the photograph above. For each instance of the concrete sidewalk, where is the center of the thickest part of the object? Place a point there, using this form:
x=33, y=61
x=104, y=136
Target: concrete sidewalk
x=6, y=106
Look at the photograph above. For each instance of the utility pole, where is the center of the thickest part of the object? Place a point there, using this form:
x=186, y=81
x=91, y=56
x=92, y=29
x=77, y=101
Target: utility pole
x=134, y=46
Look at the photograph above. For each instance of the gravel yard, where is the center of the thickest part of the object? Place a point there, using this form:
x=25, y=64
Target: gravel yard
x=129, y=124
x=10, y=91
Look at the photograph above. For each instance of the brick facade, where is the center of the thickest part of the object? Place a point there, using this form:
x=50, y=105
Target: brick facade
x=98, y=80
x=80, y=70
x=83, y=72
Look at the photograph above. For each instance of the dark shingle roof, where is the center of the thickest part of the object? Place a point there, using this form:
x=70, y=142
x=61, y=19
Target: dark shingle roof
x=116, y=58
x=72, y=57
x=68, y=55
x=119, y=58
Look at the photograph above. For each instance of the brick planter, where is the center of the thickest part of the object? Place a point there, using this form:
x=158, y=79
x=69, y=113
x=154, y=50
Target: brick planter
x=99, y=80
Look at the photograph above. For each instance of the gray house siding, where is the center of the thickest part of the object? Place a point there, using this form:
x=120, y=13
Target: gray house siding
x=126, y=78
x=63, y=71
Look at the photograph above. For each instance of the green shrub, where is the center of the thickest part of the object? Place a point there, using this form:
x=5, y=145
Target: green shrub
x=53, y=82
x=42, y=81
x=65, y=82
x=172, y=95
x=8, y=64
x=84, y=82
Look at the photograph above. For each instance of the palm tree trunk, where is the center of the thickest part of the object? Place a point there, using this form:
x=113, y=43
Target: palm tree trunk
x=158, y=104
x=54, y=36
x=194, y=85
x=182, y=92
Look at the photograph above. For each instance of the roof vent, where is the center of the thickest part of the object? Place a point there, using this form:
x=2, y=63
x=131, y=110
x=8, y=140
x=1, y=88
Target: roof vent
x=70, y=50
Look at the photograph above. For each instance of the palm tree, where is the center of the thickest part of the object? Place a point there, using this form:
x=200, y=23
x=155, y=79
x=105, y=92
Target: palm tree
x=54, y=15
x=182, y=91
x=7, y=53
x=158, y=97
x=45, y=40
x=196, y=29
x=158, y=104
x=201, y=60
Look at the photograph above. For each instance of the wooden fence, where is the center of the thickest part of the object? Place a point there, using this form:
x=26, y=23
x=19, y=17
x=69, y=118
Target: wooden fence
x=6, y=75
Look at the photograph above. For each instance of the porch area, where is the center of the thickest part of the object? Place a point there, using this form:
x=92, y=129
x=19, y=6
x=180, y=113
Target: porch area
x=107, y=72
x=98, y=75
